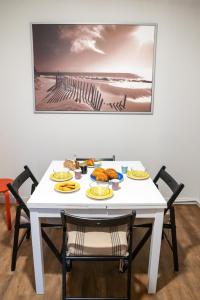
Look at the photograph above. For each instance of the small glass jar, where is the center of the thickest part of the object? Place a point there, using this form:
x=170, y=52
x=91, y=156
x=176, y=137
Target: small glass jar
x=99, y=188
x=77, y=173
x=115, y=184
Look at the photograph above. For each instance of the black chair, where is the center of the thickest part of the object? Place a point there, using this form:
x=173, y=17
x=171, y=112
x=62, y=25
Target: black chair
x=96, y=240
x=169, y=211
x=22, y=220
x=112, y=158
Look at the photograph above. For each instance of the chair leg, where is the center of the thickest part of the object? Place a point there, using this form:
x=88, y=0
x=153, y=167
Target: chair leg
x=174, y=239
x=141, y=243
x=129, y=279
x=8, y=213
x=28, y=234
x=51, y=245
x=64, y=272
x=16, y=238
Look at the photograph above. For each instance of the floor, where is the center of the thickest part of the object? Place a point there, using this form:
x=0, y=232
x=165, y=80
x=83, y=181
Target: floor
x=104, y=280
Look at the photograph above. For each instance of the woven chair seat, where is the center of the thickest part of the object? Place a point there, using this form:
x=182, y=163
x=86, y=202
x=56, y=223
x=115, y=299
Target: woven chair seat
x=95, y=241
x=24, y=218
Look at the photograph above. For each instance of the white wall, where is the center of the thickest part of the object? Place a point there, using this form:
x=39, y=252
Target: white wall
x=170, y=136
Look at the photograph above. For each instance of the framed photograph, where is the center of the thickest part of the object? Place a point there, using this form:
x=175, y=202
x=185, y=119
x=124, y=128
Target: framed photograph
x=94, y=68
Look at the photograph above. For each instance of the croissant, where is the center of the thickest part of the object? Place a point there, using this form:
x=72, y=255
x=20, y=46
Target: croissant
x=110, y=170
x=112, y=174
x=97, y=171
x=102, y=177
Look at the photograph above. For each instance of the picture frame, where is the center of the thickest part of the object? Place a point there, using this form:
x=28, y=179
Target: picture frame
x=94, y=68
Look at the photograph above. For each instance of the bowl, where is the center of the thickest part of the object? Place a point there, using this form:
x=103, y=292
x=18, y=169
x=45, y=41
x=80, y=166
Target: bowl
x=99, y=189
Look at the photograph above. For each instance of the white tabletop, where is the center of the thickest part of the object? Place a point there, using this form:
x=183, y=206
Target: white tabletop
x=132, y=193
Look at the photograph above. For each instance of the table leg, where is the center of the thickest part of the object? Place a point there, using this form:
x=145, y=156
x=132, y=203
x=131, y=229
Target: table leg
x=155, y=252
x=37, y=252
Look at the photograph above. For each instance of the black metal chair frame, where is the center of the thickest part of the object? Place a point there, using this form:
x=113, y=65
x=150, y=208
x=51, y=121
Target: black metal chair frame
x=100, y=159
x=21, y=206
x=176, y=189
x=67, y=260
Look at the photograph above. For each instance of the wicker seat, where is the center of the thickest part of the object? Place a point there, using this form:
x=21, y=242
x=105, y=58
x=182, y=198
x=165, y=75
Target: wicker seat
x=97, y=241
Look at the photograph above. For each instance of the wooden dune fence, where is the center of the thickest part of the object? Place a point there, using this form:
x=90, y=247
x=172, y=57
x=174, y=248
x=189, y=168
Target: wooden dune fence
x=69, y=88
x=120, y=105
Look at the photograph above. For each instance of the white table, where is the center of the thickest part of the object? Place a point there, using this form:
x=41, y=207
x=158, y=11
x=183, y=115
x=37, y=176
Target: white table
x=140, y=195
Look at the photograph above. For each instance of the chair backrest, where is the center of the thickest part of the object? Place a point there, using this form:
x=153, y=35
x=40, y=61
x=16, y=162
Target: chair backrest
x=18, y=182
x=175, y=187
x=127, y=219
x=112, y=158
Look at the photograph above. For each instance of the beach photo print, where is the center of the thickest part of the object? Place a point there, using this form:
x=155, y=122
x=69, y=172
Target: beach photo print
x=93, y=68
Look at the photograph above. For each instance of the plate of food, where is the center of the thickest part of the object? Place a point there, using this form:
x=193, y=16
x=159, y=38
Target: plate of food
x=106, y=175
x=138, y=174
x=99, y=193
x=67, y=187
x=61, y=176
x=70, y=164
x=89, y=162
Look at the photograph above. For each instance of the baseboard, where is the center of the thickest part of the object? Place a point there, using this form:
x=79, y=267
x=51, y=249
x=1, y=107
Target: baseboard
x=198, y=203
x=188, y=200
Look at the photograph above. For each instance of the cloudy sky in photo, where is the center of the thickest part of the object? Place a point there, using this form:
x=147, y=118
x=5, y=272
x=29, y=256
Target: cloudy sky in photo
x=94, y=48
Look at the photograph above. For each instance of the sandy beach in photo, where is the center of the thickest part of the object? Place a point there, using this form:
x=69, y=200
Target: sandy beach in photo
x=72, y=94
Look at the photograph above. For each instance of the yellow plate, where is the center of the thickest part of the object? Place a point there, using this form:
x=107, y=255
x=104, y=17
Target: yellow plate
x=58, y=185
x=61, y=176
x=92, y=195
x=138, y=175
